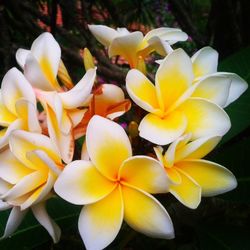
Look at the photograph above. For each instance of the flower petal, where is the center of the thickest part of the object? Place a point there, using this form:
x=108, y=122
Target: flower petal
x=197, y=149
x=103, y=138
x=204, y=118
x=6, y=117
x=5, y=133
x=21, y=56
x=127, y=46
x=173, y=77
x=238, y=87
x=27, y=184
x=78, y=95
x=15, y=218
x=213, y=178
x=40, y=193
x=14, y=87
x=103, y=34
x=47, y=52
x=100, y=222
x=12, y=170
x=171, y=35
x=28, y=112
x=145, y=214
x=141, y=90
x=63, y=142
x=163, y=131
x=188, y=192
x=173, y=175
x=22, y=142
x=81, y=183
x=35, y=75
x=214, y=88
x=144, y=173
x=4, y=206
x=44, y=219
x=205, y=61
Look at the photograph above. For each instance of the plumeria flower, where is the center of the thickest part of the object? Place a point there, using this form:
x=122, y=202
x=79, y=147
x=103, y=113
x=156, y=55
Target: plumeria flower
x=17, y=105
x=192, y=176
x=29, y=168
x=108, y=101
x=172, y=110
x=114, y=185
x=133, y=45
x=42, y=64
x=221, y=88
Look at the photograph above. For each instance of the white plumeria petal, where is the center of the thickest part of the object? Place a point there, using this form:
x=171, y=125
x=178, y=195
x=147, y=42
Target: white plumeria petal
x=100, y=222
x=141, y=90
x=145, y=214
x=28, y=112
x=27, y=184
x=237, y=88
x=14, y=87
x=4, y=206
x=171, y=35
x=144, y=173
x=103, y=138
x=77, y=183
x=41, y=193
x=127, y=46
x=205, y=61
x=215, y=88
x=163, y=131
x=44, y=219
x=17, y=124
x=34, y=74
x=21, y=56
x=15, y=218
x=197, y=149
x=47, y=52
x=12, y=170
x=103, y=34
x=78, y=95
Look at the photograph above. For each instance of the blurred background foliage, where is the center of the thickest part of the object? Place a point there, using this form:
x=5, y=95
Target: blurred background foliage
x=221, y=222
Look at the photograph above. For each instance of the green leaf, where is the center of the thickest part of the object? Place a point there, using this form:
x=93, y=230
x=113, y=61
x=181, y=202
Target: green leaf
x=239, y=111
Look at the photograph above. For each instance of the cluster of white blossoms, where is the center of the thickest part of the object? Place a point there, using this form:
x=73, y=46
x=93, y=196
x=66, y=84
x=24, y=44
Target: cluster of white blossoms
x=42, y=113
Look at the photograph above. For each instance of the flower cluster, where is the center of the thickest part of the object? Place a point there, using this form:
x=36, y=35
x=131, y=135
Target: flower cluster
x=42, y=113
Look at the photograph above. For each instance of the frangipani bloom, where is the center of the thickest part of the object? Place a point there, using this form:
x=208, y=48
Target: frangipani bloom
x=17, y=105
x=133, y=45
x=28, y=172
x=192, y=176
x=42, y=64
x=114, y=186
x=172, y=111
x=108, y=101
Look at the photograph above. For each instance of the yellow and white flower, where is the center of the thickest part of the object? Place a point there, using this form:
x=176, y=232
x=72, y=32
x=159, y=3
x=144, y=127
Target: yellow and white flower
x=17, y=106
x=191, y=176
x=114, y=186
x=29, y=168
x=172, y=109
x=42, y=64
x=133, y=45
